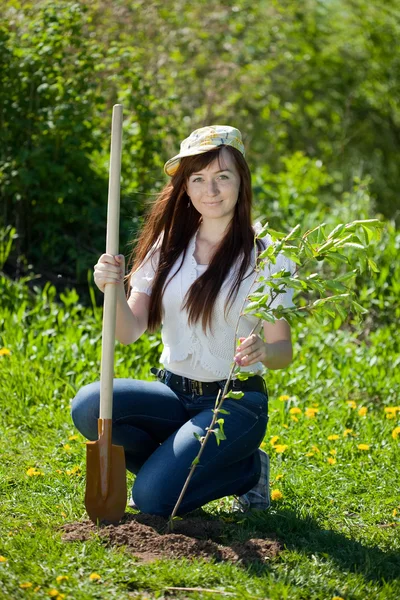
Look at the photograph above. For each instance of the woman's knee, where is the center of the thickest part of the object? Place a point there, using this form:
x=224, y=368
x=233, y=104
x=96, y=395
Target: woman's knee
x=150, y=498
x=85, y=410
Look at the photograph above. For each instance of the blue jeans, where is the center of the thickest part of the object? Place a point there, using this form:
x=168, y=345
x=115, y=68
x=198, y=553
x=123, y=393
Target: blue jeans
x=155, y=426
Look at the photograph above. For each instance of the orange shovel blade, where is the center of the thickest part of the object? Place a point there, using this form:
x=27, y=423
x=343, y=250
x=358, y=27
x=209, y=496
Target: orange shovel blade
x=106, y=493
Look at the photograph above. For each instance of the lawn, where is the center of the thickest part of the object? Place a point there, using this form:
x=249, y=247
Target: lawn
x=333, y=438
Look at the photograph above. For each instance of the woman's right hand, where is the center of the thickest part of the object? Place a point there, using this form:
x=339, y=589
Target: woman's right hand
x=109, y=269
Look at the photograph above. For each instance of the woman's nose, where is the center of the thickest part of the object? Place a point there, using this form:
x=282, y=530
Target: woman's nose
x=212, y=188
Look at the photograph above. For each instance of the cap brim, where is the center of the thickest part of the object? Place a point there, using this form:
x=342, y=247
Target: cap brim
x=171, y=166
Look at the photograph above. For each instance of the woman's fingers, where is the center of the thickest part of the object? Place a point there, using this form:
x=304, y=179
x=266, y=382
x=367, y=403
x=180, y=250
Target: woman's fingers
x=109, y=269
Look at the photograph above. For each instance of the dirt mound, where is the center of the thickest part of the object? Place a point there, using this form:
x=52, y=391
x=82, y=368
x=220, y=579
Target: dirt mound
x=147, y=538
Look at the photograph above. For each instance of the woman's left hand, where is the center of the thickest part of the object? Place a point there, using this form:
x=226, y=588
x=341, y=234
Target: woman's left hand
x=250, y=351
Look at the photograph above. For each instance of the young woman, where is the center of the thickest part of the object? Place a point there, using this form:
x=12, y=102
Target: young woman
x=193, y=268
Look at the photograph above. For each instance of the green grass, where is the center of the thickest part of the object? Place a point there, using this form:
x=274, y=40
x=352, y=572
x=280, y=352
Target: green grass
x=338, y=522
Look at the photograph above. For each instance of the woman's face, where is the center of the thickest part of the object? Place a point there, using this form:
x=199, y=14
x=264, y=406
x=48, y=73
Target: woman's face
x=214, y=191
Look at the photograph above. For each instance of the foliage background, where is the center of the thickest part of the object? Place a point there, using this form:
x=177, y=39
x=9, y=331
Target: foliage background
x=313, y=86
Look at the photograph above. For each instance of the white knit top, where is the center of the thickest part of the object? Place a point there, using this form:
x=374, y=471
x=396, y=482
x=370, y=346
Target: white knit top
x=187, y=350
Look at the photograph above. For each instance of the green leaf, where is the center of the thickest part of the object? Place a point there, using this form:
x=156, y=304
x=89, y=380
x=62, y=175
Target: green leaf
x=234, y=395
x=244, y=375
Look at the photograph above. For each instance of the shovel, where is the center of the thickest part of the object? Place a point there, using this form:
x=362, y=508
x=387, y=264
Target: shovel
x=106, y=493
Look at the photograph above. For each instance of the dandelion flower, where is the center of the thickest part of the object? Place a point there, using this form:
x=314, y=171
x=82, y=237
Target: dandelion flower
x=333, y=452
x=333, y=437
x=396, y=433
x=391, y=415
x=316, y=449
x=26, y=585
x=331, y=461
x=73, y=437
x=33, y=472
x=276, y=495
x=94, y=576
x=394, y=513
x=62, y=578
x=363, y=411
x=363, y=446
x=337, y=598
x=310, y=454
x=3, y=559
x=285, y=426
x=278, y=477
x=5, y=352
x=311, y=412
x=284, y=398
x=281, y=448
x=295, y=410
x=295, y=419
x=273, y=440
x=53, y=593
x=67, y=447
x=351, y=404
x=346, y=432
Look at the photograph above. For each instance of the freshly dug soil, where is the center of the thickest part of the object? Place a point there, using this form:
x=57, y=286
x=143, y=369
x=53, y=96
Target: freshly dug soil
x=147, y=538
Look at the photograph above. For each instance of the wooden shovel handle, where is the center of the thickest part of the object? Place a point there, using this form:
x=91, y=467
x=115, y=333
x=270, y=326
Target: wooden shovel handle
x=110, y=290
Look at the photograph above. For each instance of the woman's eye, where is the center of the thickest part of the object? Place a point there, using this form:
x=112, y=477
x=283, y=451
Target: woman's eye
x=199, y=178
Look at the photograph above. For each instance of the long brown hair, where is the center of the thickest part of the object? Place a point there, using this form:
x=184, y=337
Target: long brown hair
x=171, y=216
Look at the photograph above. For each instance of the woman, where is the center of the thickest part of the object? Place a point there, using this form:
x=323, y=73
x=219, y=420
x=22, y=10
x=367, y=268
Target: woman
x=193, y=270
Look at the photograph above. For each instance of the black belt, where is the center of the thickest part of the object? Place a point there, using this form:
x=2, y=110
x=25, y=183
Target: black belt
x=207, y=388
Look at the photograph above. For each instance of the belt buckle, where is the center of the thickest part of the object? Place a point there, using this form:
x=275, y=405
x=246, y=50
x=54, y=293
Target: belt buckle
x=197, y=387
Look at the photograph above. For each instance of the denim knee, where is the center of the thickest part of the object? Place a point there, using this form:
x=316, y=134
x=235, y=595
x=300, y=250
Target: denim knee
x=150, y=499
x=85, y=410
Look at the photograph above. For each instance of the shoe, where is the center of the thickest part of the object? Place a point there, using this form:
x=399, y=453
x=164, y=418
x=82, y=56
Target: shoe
x=258, y=497
x=131, y=503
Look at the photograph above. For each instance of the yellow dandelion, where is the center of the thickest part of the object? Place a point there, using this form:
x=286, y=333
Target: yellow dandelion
x=295, y=410
x=5, y=352
x=333, y=437
x=37, y=588
x=331, y=461
x=73, y=437
x=285, y=426
x=309, y=453
x=278, y=477
x=58, y=471
x=394, y=513
x=63, y=515
x=337, y=598
x=363, y=411
x=295, y=419
x=3, y=559
x=351, y=404
x=26, y=585
x=53, y=593
x=67, y=447
x=333, y=452
x=61, y=578
x=276, y=495
x=396, y=433
x=311, y=412
x=281, y=448
x=316, y=449
x=94, y=576
x=32, y=472
x=391, y=415
x=391, y=409
x=274, y=439
x=363, y=446
x=284, y=398
x=346, y=432
x=263, y=446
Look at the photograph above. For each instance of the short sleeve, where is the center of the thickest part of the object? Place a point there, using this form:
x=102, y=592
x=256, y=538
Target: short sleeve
x=282, y=262
x=142, y=279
